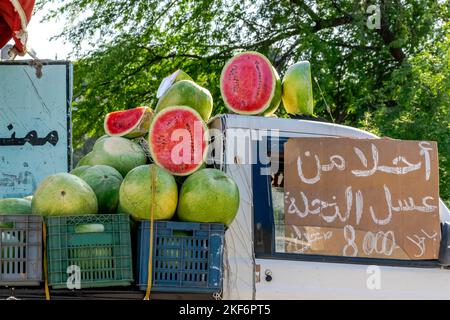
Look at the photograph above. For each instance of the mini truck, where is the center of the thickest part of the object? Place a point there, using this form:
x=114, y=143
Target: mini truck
x=256, y=266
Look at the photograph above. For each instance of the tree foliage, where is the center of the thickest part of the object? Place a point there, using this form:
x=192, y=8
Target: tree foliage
x=392, y=80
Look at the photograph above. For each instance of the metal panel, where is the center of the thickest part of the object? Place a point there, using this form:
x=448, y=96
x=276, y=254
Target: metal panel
x=290, y=127
x=238, y=252
x=301, y=279
x=35, y=125
x=305, y=280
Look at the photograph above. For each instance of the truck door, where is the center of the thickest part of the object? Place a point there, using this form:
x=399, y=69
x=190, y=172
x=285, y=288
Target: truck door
x=281, y=275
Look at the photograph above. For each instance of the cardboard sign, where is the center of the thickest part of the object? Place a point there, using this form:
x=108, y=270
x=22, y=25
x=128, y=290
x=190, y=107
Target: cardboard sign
x=376, y=198
x=35, y=125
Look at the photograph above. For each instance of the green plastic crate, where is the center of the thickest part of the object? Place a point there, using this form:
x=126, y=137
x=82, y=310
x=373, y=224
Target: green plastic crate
x=102, y=257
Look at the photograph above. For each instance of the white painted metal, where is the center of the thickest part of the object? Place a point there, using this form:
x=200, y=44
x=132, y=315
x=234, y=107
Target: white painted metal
x=320, y=280
x=300, y=279
x=239, y=257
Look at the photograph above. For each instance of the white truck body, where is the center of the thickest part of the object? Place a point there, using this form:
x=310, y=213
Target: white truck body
x=245, y=272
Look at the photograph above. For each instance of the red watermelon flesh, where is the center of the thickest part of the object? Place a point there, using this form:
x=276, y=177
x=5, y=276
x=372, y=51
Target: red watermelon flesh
x=177, y=140
x=129, y=123
x=248, y=83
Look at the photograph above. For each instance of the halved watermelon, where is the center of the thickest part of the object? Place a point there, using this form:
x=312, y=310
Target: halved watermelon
x=297, y=89
x=168, y=81
x=248, y=83
x=131, y=123
x=178, y=140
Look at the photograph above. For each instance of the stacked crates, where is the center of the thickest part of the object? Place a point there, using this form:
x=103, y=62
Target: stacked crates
x=20, y=250
x=89, y=251
x=187, y=257
x=95, y=251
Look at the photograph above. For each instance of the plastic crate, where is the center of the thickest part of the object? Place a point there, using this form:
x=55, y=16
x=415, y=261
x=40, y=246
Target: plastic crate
x=187, y=257
x=20, y=250
x=103, y=257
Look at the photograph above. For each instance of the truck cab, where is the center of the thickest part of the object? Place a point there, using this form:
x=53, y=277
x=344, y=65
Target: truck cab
x=255, y=264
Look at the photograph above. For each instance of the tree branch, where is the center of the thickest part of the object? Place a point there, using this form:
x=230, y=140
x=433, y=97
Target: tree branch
x=320, y=24
x=219, y=55
x=307, y=9
x=331, y=23
x=386, y=34
x=388, y=37
x=282, y=61
x=352, y=46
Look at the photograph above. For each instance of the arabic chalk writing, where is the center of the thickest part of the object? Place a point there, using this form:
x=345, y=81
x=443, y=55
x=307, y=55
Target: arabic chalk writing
x=372, y=240
x=349, y=236
x=338, y=162
x=379, y=196
x=419, y=241
x=308, y=238
x=396, y=169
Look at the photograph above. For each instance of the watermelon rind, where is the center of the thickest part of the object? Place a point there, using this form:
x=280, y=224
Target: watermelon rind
x=15, y=206
x=89, y=228
x=276, y=100
x=136, y=193
x=206, y=187
x=105, y=181
x=118, y=152
x=297, y=89
x=64, y=194
x=187, y=93
x=168, y=81
x=137, y=130
x=79, y=170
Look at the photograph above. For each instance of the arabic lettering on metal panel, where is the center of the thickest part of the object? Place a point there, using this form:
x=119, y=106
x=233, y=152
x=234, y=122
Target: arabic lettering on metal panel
x=34, y=126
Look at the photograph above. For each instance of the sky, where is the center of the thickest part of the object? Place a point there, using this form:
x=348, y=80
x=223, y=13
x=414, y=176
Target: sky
x=39, y=34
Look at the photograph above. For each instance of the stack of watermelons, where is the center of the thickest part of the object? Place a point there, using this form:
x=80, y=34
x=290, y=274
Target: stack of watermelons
x=153, y=162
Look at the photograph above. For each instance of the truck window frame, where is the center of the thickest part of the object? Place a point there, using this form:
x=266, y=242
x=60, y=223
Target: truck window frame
x=264, y=225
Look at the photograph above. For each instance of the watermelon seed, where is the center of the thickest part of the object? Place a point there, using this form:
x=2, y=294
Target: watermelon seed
x=161, y=140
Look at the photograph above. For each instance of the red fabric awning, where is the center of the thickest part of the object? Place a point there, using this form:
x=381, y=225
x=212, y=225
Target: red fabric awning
x=14, y=18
